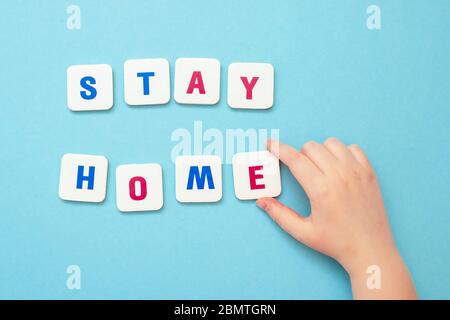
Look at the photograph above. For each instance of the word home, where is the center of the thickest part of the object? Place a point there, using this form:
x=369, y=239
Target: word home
x=198, y=178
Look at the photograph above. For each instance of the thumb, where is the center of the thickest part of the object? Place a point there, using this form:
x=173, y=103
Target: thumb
x=297, y=226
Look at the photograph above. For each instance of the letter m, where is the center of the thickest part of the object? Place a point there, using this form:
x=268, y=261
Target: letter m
x=200, y=177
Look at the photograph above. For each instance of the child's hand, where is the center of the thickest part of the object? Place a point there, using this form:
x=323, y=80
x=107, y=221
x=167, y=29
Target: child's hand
x=348, y=220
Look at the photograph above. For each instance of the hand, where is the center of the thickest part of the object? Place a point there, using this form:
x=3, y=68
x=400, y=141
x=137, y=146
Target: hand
x=348, y=219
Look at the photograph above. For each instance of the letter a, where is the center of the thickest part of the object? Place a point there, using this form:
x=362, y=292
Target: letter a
x=196, y=83
x=74, y=19
x=374, y=20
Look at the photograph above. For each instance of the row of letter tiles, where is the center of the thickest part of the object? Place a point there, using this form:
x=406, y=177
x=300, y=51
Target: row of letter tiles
x=147, y=82
x=139, y=187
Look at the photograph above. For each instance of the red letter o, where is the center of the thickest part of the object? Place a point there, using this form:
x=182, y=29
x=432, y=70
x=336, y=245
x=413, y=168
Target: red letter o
x=132, y=186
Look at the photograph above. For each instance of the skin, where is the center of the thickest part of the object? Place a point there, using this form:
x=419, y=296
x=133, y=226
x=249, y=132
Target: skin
x=348, y=220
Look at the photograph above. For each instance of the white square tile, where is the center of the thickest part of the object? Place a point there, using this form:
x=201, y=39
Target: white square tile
x=250, y=85
x=83, y=177
x=197, y=81
x=256, y=175
x=146, y=81
x=198, y=178
x=89, y=87
x=139, y=187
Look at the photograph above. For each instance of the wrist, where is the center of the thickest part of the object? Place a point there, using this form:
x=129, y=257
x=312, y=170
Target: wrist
x=379, y=273
x=357, y=262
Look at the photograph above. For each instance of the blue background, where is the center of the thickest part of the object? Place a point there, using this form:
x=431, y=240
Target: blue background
x=386, y=90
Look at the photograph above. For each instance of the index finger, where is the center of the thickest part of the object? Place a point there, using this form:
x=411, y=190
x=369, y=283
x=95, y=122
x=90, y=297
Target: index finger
x=301, y=167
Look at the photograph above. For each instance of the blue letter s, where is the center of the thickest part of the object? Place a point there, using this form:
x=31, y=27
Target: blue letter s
x=86, y=84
